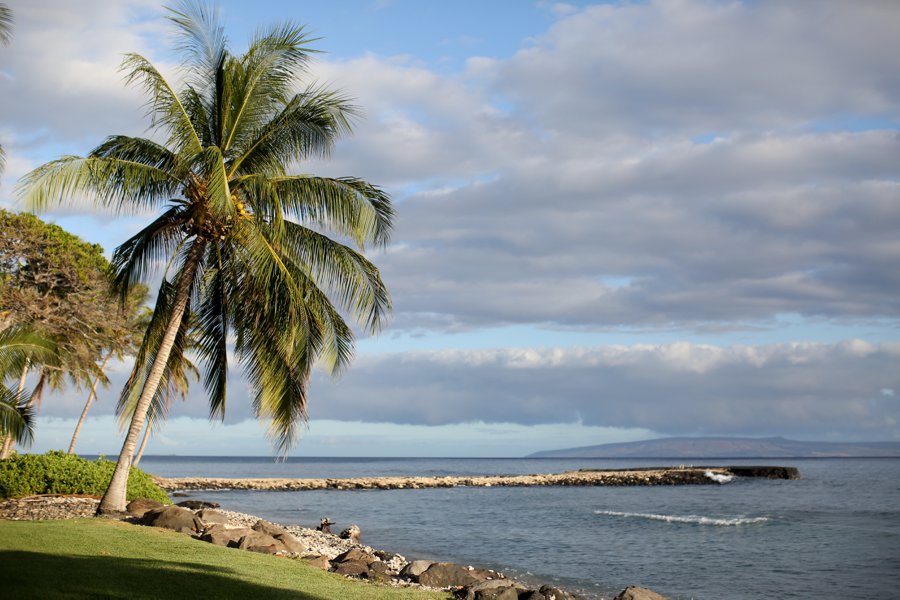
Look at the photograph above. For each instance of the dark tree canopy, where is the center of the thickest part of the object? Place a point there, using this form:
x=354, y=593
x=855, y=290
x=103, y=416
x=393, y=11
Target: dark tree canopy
x=50, y=279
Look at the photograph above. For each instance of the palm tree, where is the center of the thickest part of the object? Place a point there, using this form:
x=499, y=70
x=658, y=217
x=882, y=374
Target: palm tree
x=74, y=362
x=177, y=385
x=261, y=258
x=18, y=348
x=176, y=377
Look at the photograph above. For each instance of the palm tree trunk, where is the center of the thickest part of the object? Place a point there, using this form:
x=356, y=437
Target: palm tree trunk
x=140, y=452
x=6, y=450
x=113, y=500
x=87, y=405
x=22, y=378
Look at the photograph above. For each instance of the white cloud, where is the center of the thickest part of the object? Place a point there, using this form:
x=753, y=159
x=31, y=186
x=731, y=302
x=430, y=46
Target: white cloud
x=62, y=71
x=677, y=389
x=646, y=166
x=674, y=389
x=525, y=185
x=594, y=174
x=704, y=67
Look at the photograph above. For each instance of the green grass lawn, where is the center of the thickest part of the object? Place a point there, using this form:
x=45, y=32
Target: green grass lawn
x=98, y=558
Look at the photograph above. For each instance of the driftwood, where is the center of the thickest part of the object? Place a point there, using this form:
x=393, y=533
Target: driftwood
x=325, y=525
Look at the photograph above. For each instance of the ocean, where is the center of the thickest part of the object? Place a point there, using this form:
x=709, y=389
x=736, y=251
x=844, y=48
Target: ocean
x=835, y=533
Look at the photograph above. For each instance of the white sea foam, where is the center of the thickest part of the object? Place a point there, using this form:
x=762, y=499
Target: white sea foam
x=719, y=477
x=693, y=519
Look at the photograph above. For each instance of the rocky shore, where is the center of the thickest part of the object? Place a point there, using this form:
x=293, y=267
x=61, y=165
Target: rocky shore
x=652, y=476
x=208, y=523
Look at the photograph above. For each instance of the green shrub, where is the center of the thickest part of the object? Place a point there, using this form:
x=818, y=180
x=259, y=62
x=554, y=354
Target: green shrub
x=59, y=473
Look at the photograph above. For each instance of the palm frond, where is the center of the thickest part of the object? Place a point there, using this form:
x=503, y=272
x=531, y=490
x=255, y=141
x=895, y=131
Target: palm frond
x=20, y=346
x=263, y=78
x=201, y=38
x=277, y=364
x=16, y=417
x=141, y=151
x=212, y=331
x=263, y=262
x=306, y=126
x=304, y=312
x=333, y=339
x=164, y=106
x=346, y=206
x=345, y=275
x=138, y=256
x=200, y=115
x=122, y=185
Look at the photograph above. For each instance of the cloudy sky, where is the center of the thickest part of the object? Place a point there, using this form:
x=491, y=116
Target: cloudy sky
x=615, y=220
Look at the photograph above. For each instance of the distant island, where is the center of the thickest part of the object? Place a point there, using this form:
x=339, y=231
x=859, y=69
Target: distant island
x=727, y=447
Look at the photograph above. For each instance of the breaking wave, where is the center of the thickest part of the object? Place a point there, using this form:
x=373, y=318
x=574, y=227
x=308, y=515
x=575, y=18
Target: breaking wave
x=719, y=477
x=693, y=519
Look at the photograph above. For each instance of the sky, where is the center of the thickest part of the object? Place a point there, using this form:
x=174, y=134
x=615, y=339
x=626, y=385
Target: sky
x=615, y=221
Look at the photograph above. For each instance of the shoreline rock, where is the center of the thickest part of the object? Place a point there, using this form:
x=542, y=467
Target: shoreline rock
x=322, y=550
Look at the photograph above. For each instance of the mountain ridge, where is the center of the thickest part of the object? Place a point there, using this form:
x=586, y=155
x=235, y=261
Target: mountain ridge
x=727, y=447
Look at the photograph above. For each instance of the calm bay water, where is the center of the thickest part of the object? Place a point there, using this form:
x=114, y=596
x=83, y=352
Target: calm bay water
x=833, y=534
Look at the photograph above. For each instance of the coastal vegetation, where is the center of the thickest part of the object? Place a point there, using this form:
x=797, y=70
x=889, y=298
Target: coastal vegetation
x=266, y=262
x=60, y=473
x=94, y=558
x=56, y=287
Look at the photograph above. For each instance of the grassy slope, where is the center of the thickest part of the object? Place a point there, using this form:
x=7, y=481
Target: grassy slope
x=96, y=558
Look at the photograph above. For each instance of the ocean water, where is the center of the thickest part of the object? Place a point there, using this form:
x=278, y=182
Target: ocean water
x=835, y=533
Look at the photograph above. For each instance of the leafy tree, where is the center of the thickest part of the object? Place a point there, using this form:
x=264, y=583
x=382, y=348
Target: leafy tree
x=258, y=256
x=58, y=286
x=50, y=277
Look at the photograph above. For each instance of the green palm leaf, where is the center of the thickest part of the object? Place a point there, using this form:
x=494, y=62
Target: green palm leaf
x=164, y=106
x=114, y=183
x=16, y=417
x=20, y=347
x=306, y=126
x=138, y=256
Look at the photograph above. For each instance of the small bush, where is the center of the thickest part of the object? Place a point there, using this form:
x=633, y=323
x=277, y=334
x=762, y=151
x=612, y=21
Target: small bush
x=59, y=473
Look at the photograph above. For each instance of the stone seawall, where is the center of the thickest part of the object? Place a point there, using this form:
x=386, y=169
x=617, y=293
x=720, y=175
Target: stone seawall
x=659, y=476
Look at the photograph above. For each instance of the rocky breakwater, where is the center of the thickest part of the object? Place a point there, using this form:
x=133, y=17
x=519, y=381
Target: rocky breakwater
x=655, y=476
